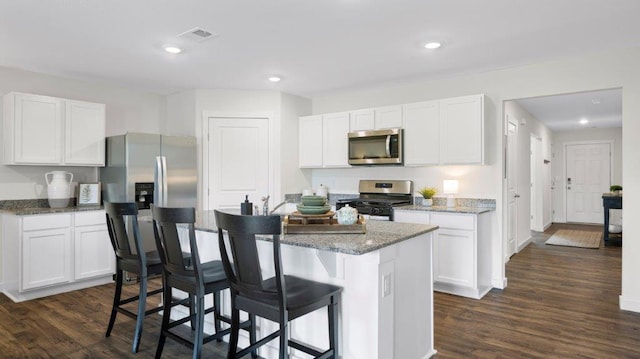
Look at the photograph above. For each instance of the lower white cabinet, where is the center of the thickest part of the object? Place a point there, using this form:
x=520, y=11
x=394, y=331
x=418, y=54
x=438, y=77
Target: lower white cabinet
x=461, y=250
x=47, y=254
x=93, y=253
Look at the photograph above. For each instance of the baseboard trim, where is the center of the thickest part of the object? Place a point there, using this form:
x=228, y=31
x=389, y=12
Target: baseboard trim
x=630, y=304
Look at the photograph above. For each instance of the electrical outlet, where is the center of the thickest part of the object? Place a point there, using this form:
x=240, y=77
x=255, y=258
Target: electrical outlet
x=386, y=285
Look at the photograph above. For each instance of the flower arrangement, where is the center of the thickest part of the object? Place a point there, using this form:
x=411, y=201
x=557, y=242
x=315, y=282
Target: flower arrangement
x=427, y=192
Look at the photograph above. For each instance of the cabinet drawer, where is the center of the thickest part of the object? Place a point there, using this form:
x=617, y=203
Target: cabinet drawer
x=90, y=218
x=46, y=221
x=458, y=221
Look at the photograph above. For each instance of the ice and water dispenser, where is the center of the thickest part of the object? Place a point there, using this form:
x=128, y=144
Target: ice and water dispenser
x=144, y=194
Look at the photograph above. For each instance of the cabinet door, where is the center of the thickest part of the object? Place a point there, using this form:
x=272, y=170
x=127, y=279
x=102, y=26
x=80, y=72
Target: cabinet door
x=388, y=117
x=93, y=253
x=362, y=120
x=310, y=141
x=454, y=257
x=37, y=129
x=421, y=133
x=46, y=258
x=335, y=140
x=462, y=130
x=84, y=133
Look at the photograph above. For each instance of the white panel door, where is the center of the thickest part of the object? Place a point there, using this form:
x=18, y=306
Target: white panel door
x=588, y=169
x=462, y=130
x=388, y=117
x=238, y=161
x=362, y=120
x=512, y=180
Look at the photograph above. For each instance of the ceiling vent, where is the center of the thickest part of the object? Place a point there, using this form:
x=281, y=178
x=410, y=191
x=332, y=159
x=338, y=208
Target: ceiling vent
x=197, y=34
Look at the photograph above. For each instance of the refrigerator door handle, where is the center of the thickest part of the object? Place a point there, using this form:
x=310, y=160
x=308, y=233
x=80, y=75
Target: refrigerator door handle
x=158, y=194
x=165, y=182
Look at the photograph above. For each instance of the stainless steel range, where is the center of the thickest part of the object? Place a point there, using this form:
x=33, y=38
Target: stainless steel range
x=378, y=197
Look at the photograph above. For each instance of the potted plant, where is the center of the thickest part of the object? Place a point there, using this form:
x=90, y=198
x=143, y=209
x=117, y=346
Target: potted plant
x=615, y=188
x=427, y=194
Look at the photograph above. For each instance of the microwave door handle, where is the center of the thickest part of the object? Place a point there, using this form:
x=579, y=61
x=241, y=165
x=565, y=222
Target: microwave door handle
x=388, y=146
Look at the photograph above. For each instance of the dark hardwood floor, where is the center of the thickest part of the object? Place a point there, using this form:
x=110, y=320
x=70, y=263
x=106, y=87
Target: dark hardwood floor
x=561, y=302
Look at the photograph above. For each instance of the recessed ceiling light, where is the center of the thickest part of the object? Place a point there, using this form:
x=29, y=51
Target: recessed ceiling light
x=584, y=121
x=275, y=78
x=432, y=45
x=172, y=49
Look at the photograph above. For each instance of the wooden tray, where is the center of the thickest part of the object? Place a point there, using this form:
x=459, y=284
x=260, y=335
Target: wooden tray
x=298, y=223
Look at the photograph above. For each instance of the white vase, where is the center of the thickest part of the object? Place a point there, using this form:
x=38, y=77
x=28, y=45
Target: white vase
x=58, y=188
x=427, y=202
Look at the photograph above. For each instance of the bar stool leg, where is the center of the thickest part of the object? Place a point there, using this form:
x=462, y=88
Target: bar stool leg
x=116, y=301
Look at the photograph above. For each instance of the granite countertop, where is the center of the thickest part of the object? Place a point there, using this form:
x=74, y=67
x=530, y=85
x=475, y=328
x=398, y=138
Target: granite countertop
x=379, y=234
x=470, y=210
x=45, y=210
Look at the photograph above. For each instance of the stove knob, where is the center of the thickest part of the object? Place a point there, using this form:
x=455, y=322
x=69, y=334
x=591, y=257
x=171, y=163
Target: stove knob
x=375, y=211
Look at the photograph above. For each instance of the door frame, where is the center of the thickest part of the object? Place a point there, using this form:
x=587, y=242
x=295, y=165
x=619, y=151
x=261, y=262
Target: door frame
x=564, y=166
x=507, y=253
x=204, y=144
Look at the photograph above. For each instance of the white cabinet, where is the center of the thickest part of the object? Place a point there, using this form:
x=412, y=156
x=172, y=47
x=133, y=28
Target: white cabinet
x=422, y=133
x=335, y=140
x=310, y=141
x=93, y=253
x=84, y=133
x=449, y=131
x=461, y=250
x=43, y=130
x=46, y=251
x=462, y=130
x=376, y=118
x=323, y=141
x=47, y=254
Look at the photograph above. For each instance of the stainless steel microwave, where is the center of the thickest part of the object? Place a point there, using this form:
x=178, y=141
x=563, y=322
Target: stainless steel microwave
x=380, y=147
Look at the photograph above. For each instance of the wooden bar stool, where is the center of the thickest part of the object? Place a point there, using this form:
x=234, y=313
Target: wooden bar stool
x=196, y=278
x=280, y=298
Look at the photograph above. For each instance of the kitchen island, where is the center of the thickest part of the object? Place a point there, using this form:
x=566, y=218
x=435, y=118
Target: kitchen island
x=387, y=303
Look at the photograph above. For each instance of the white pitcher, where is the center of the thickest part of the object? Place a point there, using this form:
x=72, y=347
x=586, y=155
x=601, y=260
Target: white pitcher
x=58, y=188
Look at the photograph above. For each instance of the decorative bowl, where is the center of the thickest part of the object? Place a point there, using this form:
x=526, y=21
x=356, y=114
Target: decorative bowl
x=313, y=200
x=314, y=209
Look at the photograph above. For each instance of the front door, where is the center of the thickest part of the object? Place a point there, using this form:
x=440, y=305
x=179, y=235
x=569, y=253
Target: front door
x=588, y=169
x=238, y=161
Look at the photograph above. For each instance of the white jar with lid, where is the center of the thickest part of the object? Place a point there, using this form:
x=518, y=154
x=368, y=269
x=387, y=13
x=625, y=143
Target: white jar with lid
x=322, y=191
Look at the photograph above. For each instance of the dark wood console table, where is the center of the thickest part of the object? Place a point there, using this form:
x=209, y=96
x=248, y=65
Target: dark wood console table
x=609, y=201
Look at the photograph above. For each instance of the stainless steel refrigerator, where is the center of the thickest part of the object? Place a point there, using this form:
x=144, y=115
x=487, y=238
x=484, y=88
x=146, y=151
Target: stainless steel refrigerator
x=150, y=168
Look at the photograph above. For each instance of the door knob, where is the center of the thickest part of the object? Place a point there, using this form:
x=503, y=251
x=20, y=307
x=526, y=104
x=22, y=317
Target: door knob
x=516, y=195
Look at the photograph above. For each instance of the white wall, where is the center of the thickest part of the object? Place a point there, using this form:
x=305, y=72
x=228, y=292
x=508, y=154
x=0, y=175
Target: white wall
x=185, y=116
x=594, y=72
x=528, y=126
x=588, y=134
x=126, y=111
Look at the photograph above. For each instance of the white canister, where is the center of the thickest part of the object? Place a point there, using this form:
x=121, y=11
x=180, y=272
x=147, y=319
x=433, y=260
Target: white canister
x=58, y=188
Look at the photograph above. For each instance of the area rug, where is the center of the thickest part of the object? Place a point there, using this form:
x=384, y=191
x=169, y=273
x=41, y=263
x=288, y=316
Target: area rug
x=575, y=238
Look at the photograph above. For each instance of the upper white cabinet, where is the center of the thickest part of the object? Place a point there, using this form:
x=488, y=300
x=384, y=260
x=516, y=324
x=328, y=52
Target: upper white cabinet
x=388, y=117
x=376, y=118
x=422, y=133
x=310, y=141
x=84, y=133
x=462, y=130
x=323, y=141
x=335, y=140
x=449, y=131
x=43, y=130
x=362, y=120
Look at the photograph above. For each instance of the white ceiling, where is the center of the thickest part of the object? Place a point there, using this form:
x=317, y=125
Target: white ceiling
x=602, y=109
x=318, y=47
